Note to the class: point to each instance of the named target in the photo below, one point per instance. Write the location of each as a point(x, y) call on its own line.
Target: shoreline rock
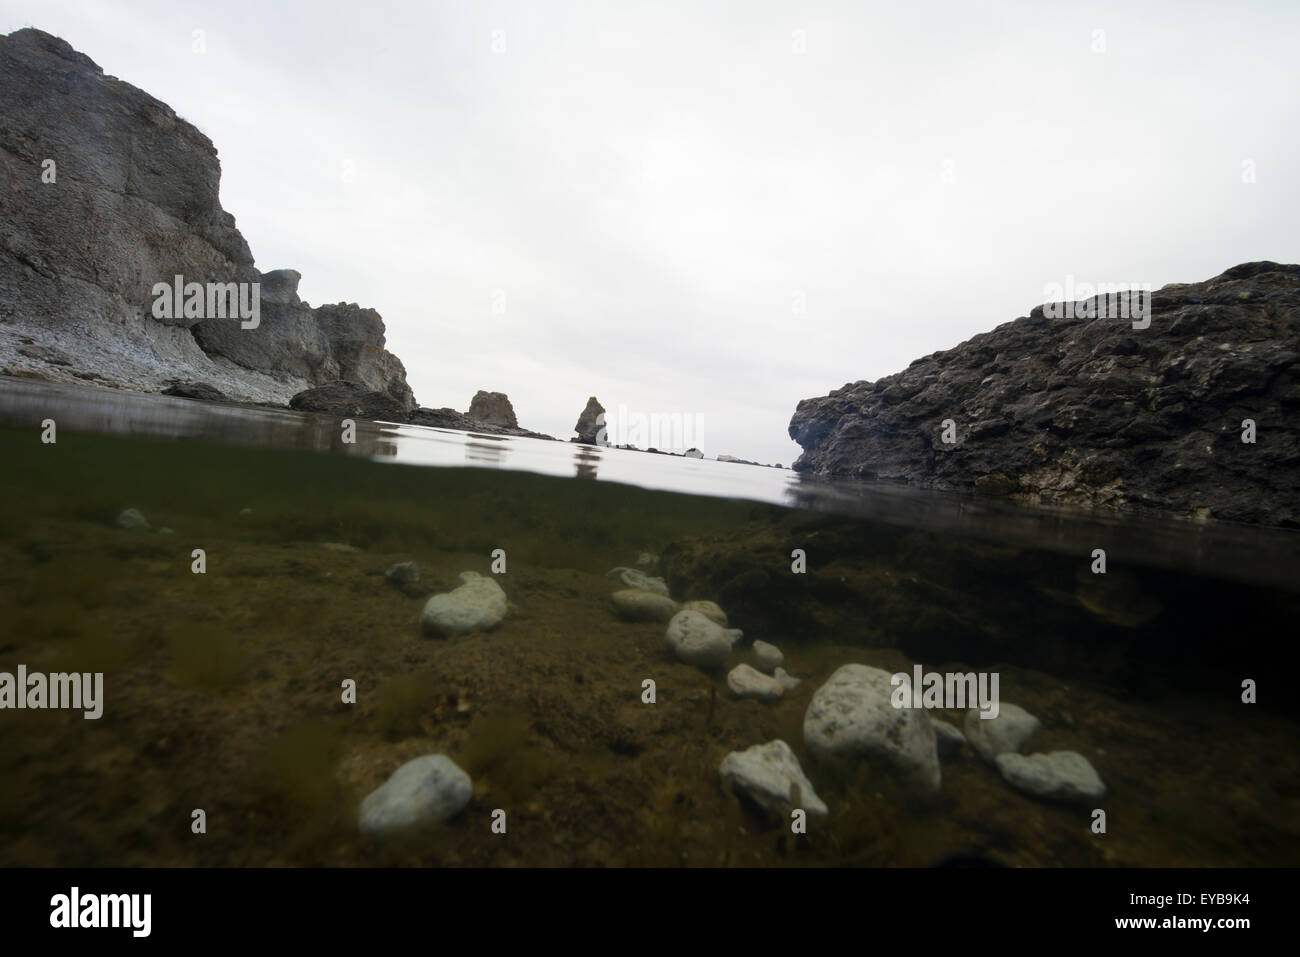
point(1094, 412)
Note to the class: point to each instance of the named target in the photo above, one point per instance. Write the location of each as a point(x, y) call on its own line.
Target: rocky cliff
point(1197, 413)
point(104, 193)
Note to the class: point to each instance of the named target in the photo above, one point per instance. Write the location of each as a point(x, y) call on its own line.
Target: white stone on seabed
point(1007, 732)
point(647, 560)
point(948, 737)
point(747, 682)
point(479, 603)
point(403, 573)
point(699, 641)
point(709, 609)
point(635, 578)
point(851, 718)
point(765, 774)
point(769, 656)
point(637, 604)
point(787, 680)
point(1058, 776)
point(428, 789)
point(132, 518)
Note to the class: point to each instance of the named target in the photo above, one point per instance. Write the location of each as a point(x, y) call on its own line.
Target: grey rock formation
point(131, 201)
point(477, 605)
point(196, 390)
point(788, 681)
point(427, 790)
point(770, 775)
point(1008, 732)
point(349, 400)
point(451, 419)
point(591, 424)
point(1095, 412)
point(851, 719)
point(1057, 776)
point(492, 408)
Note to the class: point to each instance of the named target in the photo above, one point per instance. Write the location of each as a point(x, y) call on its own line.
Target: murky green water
point(222, 690)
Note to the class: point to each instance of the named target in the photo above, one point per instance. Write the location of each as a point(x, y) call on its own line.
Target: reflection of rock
point(492, 408)
point(591, 424)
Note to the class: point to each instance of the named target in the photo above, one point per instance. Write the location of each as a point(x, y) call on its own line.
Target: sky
point(707, 211)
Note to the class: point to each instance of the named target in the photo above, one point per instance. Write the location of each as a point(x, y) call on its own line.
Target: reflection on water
point(1242, 553)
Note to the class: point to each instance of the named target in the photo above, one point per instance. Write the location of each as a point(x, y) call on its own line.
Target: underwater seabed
point(222, 690)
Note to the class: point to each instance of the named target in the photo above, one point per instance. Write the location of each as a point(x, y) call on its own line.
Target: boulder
point(349, 400)
point(427, 790)
point(492, 408)
point(699, 641)
point(1057, 776)
point(852, 720)
point(770, 775)
point(479, 604)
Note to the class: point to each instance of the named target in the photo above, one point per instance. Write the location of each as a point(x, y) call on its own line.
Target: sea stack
point(591, 424)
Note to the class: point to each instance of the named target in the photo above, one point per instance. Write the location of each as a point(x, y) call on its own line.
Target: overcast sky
point(718, 209)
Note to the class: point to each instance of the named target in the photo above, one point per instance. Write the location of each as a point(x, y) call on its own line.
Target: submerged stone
point(634, 578)
point(699, 641)
point(770, 775)
point(787, 680)
point(637, 604)
point(132, 518)
point(709, 609)
point(747, 682)
point(478, 604)
point(852, 719)
point(1007, 732)
point(1057, 776)
point(769, 656)
point(427, 790)
point(403, 573)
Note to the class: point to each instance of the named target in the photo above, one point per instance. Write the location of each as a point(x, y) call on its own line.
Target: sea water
point(226, 630)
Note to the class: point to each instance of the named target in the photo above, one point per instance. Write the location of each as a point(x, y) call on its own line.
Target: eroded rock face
point(492, 408)
point(131, 200)
point(590, 423)
point(1093, 411)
